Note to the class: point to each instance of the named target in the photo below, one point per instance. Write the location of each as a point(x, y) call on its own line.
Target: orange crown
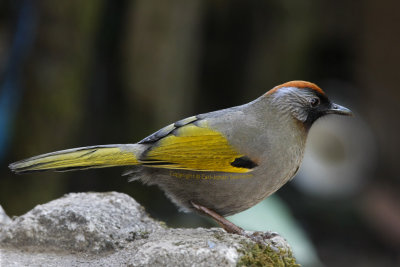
point(298, 84)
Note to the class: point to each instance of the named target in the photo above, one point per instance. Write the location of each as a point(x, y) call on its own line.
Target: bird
point(218, 163)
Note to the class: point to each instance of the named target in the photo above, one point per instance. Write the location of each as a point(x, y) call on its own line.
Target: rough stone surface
point(112, 229)
point(89, 222)
point(4, 219)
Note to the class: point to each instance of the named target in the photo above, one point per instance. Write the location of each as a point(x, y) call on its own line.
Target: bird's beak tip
point(340, 110)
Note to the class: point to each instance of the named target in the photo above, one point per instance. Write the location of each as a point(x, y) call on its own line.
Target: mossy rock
point(265, 255)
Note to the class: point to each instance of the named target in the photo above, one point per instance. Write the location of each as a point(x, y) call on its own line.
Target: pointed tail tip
point(16, 168)
point(13, 167)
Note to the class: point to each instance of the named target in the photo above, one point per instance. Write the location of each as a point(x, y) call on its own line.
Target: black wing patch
point(244, 162)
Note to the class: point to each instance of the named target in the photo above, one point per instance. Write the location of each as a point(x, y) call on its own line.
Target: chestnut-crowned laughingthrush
point(218, 163)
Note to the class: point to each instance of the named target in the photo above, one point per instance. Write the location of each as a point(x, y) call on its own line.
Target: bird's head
point(304, 101)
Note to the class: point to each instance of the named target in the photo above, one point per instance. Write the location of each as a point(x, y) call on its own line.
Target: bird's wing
point(190, 144)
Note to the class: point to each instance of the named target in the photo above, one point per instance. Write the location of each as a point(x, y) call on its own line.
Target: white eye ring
point(314, 102)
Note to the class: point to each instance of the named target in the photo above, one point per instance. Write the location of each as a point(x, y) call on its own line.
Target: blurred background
point(77, 73)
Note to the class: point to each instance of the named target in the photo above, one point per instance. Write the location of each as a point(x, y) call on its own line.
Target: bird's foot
point(259, 237)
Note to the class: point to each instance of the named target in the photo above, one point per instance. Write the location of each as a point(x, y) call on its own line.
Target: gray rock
point(4, 219)
point(112, 229)
point(89, 222)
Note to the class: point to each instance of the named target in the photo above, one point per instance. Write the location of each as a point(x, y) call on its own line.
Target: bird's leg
point(259, 237)
point(224, 223)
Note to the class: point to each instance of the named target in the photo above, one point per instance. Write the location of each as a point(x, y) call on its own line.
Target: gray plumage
point(269, 135)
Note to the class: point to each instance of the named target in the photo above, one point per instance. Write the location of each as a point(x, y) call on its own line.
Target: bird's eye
point(314, 102)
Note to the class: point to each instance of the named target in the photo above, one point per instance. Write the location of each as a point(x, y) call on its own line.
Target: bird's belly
point(225, 193)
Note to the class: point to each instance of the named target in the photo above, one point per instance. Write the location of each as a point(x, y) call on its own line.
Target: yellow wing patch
point(195, 148)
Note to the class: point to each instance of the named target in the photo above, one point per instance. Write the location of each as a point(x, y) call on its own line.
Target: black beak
point(340, 110)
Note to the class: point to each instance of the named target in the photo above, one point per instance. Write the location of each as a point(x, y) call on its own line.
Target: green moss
point(137, 235)
point(163, 224)
point(261, 255)
point(219, 236)
point(179, 243)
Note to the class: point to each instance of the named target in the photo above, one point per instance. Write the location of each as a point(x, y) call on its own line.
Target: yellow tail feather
point(78, 158)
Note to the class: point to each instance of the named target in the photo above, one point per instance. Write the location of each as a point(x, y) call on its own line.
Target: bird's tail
point(80, 158)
